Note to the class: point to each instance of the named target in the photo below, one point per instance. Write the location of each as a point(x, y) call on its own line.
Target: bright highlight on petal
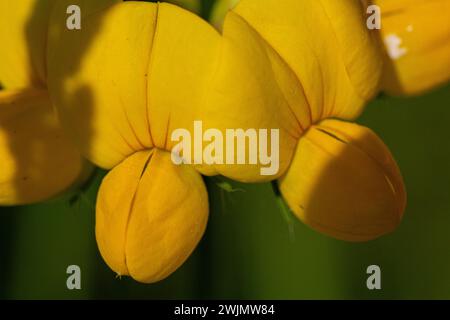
point(416, 35)
point(36, 160)
point(344, 182)
point(150, 215)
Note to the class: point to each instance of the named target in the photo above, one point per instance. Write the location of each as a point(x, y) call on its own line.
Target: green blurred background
point(250, 249)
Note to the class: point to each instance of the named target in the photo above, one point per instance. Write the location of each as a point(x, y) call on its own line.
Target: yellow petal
point(98, 77)
point(344, 182)
point(252, 88)
point(182, 62)
point(151, 215)
point(254, 77)
point(416, 34)
point(118, 103)
point(23, 34)
point(36, 161)
point(337, 75)
point(213, 83)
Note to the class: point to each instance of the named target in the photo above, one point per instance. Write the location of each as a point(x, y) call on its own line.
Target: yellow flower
point(134, 86)
point(143, 193)
point(416, 35)
point(344, 75)
point(36, 161)
point(138, 71)
point(150, 213)
point(337, 77)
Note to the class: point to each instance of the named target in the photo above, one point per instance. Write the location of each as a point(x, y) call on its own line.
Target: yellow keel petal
point(344, 182)
point(151, 215)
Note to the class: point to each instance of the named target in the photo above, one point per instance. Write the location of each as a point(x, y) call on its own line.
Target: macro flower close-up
point(226, 149)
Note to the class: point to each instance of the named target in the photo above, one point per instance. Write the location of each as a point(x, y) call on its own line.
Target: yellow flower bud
point(150, 215)
point(344, 182)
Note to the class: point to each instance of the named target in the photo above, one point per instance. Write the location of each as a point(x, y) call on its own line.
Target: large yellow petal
point(23, 35)
point(416, 34)
point(327, 45)
point(344, 182)
point(151, 215)
point(164, 69)
point(36, 161)
point(98, 76)
point(228, 83)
